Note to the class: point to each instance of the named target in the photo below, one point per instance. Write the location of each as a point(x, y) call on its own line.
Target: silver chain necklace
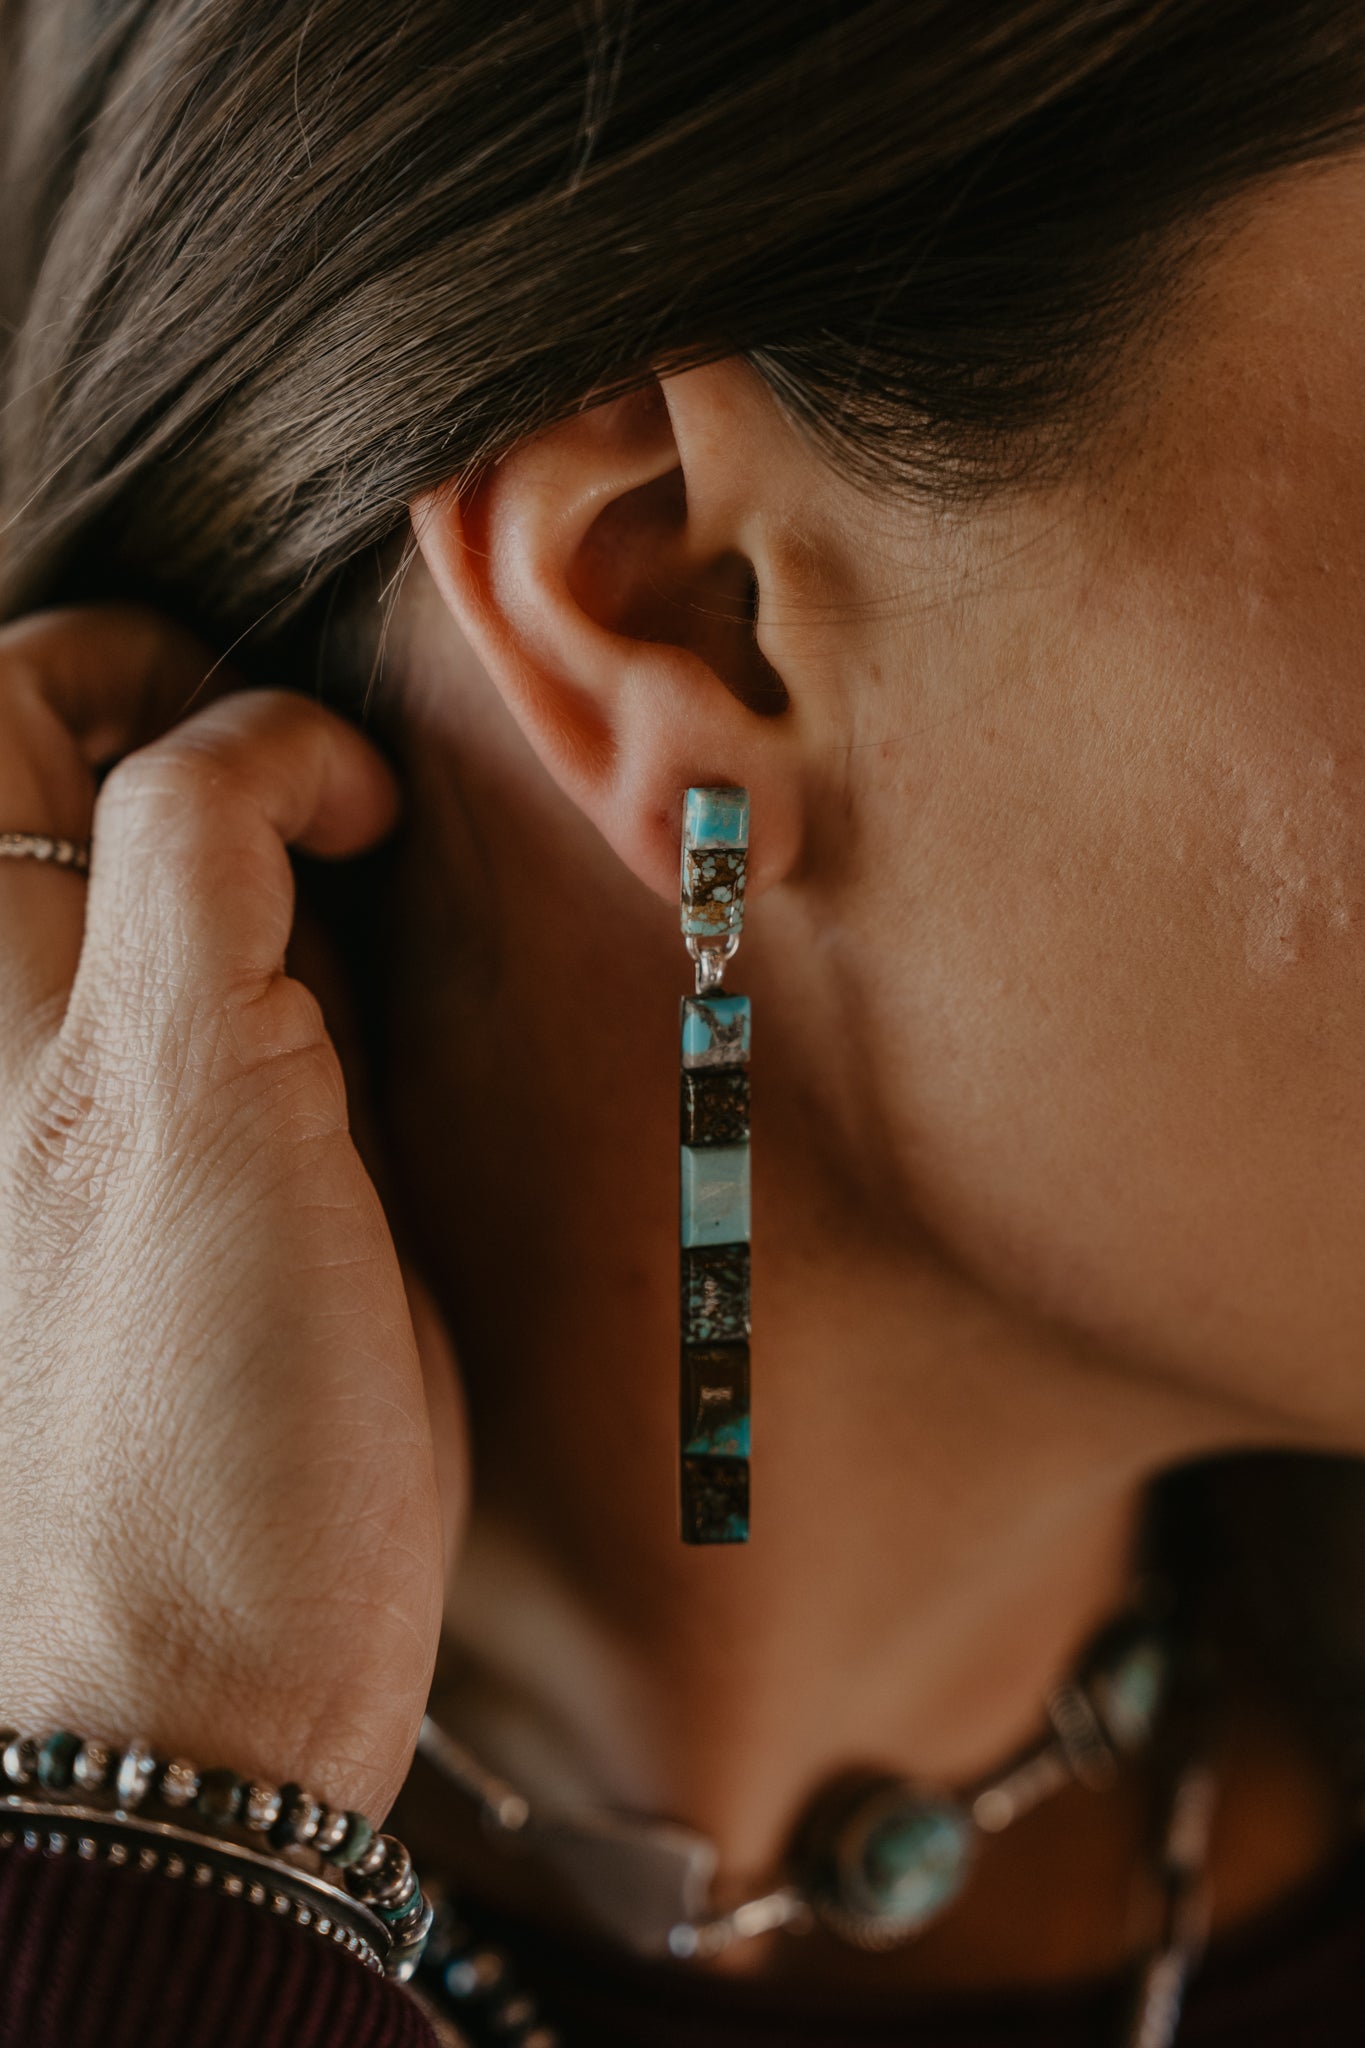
point(474, 1996)
point(877, 1861)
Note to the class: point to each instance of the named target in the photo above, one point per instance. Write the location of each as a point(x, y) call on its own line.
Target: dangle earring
point(715, 1176)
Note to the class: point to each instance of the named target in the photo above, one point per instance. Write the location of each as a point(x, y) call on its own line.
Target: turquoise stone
point(1129, 1693)
point(715, 1413)
point(715, 875)
point(391, 1914)
point(720, 1439)
point(715, 1194)
point(55, 1760)
point(715, 1031)
point(716, 817)
point(353, 1844)
point(713, 887)
point(915, 1860)
point(715, 1294)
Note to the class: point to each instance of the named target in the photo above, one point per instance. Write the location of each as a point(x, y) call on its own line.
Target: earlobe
point(606, 580)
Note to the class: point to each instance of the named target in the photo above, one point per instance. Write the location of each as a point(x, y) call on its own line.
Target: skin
point(217, 1479)
point(1058, 967)
point(1058, 976)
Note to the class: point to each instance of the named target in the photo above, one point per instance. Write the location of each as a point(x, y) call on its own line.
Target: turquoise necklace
point(880, 1858)
point(876, 1860)
point(475, 1996)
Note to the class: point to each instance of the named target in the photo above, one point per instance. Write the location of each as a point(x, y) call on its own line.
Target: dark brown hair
point(270, 267)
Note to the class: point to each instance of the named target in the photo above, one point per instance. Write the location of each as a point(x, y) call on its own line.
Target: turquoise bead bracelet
point(283, 1821)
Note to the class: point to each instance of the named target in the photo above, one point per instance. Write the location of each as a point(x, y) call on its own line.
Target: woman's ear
point(610, 574)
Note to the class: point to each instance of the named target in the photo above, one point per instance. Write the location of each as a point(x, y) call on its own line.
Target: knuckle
point(186, 818)
point(192, 794)
point(169, 776)
point(292, 1017)
point(300, 1090)
point(281, 1026)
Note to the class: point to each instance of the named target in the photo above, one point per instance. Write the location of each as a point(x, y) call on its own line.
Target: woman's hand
point(219, 1517)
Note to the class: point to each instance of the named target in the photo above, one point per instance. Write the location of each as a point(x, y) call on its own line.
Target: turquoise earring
point(715, 1175)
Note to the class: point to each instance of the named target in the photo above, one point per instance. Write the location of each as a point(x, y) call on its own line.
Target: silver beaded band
point(131, 1842)
point(58, 853)
point(281, 1828)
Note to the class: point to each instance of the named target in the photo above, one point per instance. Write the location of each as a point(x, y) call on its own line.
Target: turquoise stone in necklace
point(890, 1862)
point(876, 1857)
point(914, 1859)
point(1129, 1693)
point(880, 1857)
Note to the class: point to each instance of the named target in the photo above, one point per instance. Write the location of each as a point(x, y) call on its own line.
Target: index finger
point(116, 676)
point(77, 689)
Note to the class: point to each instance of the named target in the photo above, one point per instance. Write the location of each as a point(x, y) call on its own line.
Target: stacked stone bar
point(715, 1182)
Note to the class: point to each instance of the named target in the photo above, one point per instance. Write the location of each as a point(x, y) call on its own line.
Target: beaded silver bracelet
point(129, 1796)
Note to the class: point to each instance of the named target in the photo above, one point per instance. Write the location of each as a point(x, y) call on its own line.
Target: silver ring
point(59, 853)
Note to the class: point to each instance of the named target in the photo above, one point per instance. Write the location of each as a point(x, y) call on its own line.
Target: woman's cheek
point(1113, 968)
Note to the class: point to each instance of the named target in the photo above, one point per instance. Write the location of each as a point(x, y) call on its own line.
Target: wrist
point(247, 1837)
point(214, 1718)
point(274, 1658)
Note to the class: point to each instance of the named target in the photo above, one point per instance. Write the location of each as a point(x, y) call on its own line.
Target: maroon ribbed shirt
point(96, 1957)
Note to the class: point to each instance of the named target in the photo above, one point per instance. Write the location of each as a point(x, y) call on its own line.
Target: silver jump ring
point(59, 853)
